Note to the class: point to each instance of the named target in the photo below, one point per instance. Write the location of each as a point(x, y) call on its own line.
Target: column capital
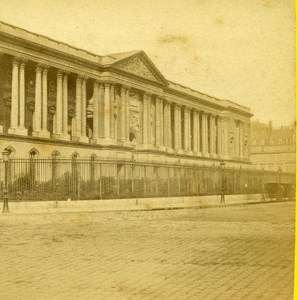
point(84, 77)
point(63, 72)
point(23, 63)
point(107, 83)
point(42, 66)
point(161, 98)
point(16, 60)
point(20, 60)
point(38, 68)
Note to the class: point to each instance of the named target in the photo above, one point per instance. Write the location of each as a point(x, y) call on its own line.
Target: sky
point(239, 50)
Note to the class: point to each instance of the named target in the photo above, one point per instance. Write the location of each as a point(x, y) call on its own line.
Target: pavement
point(231, 252)
point(21, 207)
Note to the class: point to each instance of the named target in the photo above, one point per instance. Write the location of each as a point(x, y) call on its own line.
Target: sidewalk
point(132, 204)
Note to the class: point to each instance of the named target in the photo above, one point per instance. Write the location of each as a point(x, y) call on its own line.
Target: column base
point(196, 153)
point(205, 154)
point(107, 141)
point(169, 150)
point(64, 137)
point(18, 131)
point(161, 148)
point(144, 147)
point(224, 157)
point(83, 139)
point(125, 143)
point(93, 141)
point(41, 133)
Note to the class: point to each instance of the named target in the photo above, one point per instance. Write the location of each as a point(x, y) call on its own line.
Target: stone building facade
point(55, 98)
point(273, 149)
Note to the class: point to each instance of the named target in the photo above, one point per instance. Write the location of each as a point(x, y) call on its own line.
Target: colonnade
point(173, 127)
point(184, 129)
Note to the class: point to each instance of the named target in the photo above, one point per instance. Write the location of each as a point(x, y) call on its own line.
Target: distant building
point(273, 148)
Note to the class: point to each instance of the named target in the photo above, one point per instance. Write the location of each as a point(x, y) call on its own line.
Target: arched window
point(33, 153)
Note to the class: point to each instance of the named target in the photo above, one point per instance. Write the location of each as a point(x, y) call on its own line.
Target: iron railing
point(62, 179)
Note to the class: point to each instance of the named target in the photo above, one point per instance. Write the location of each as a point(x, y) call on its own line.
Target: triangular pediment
point(140, 65)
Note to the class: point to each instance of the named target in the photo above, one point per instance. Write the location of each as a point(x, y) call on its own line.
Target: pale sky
point(241, 50)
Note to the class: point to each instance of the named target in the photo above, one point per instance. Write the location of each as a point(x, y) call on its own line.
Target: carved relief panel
point(137, 66)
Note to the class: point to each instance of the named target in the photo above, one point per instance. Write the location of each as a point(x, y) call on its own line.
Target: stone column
point(38, 104)
point(101, 110)
point(107, 136)
point(165, 124)
point(127, 114)
point(84, 137)
point(195, 130)
point(241, 137)
point(158, 122)
point(176, 127)
point(22, 129)
point(179, 130)
point(145, 119)
point(59, 104)
point(219, 136)
point(198, 133)
point(204, 141)
point(14, 112)
point(189, 132)
point(149, 121)
point(161, 108)
point(169, 128)
point(225, 137)
point(96, 111)
point(44, 127)
point(186, 129)
point(212, 135)
point(64, 135)
point(78, 107)
point(123, 114)
point(236, 138)
point(112, 97)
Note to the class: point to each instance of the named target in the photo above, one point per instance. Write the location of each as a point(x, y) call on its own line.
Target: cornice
point(50, 51)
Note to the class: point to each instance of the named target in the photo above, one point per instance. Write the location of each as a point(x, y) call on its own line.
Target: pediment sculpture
point(138, 67)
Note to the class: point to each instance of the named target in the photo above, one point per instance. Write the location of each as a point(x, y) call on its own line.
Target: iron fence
point(62, 179)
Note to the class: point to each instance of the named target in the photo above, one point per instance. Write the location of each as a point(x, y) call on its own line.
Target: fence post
point(168, 182)
point(118, 180)
point(5, 154)
point(157, 181)
point(222, 164)
point(132, 180)
point(179, 179)
point(144, 182)
point(100, 181)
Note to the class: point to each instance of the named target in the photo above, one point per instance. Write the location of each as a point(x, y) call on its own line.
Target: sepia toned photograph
point(147, 149)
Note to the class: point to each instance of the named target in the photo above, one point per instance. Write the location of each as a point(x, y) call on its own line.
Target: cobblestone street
point(240, 252)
